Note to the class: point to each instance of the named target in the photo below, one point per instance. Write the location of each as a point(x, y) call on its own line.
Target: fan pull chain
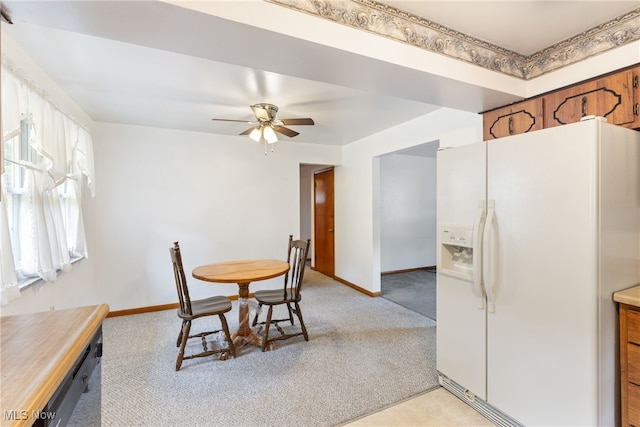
point(265, 147)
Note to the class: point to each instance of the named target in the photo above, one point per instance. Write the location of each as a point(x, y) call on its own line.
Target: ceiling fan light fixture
point(256, 134)
point(269, 134)
point(266, 127)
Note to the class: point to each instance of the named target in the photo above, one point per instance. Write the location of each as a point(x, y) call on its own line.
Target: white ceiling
point(156, 64)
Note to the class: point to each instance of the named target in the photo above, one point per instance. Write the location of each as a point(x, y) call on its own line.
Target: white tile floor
point(416, 291)
point(435, 408)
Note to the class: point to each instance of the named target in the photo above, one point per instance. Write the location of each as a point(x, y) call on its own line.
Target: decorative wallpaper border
point(387, 21)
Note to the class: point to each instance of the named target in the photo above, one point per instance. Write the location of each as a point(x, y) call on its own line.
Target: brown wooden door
point(323, 222)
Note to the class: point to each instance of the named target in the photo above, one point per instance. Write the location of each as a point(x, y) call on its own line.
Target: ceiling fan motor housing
point(265, 112)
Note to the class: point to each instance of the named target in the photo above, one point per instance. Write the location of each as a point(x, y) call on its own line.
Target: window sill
point(30, 281)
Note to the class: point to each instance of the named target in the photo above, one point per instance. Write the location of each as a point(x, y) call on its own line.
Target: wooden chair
point(190, 310)
point(288, 295)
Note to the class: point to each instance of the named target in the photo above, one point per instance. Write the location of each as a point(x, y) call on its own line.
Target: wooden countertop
point(37, 351)
point(629, 296)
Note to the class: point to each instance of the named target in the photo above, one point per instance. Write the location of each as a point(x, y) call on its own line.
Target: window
point(40, 212)
point(48, 166)
point(17, 150)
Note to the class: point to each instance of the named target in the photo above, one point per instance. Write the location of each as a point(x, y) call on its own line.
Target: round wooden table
point(242, 273)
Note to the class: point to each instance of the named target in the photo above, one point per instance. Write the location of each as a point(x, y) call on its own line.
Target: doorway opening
point(312, 216)
point(407, 218)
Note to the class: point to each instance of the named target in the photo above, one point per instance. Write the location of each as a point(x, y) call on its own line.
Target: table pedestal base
point(241, 340)
point(252, 338)
point(242, 272)
point(245, 335)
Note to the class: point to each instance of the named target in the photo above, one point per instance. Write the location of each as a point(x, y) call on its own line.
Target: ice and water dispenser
point(456, 242)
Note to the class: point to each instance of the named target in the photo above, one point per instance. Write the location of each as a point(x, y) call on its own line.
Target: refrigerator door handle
point(478, 227)
point(488, 250)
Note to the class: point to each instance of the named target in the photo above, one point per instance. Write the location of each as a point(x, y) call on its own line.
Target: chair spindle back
point(297, 259)
point(181, 280)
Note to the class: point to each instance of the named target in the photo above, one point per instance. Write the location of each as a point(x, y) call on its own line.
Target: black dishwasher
point(60, 408)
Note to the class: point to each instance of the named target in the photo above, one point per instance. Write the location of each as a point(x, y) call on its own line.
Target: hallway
point(415, 290)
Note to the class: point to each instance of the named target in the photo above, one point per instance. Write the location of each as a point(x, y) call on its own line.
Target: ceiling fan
point(266, 125)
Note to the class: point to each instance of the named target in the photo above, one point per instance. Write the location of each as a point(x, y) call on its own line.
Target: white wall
point(221, 197)
point(357, 224)
point(407, 212)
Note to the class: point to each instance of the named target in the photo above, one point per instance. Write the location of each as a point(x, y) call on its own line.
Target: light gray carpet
point(364, 354)
point(415, 290)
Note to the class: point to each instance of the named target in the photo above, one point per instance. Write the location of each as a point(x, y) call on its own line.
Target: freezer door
point(461, 349)
point(542, 251)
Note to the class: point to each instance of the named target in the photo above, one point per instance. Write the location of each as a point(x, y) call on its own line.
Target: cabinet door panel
point(636, 99)
point(514, 119)
point(610, 97)
point(633, 326)
point(634, 405)
point(633, 363)
point(629, 365)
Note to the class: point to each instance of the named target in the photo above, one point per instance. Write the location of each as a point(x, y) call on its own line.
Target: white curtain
point(9, 289)
point(56, 177)
point(35, 247)
point(76, 238)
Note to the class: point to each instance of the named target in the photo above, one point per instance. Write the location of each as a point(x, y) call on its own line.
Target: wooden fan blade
point(286, 131)
point(232, 120)
point(248, 131)
point(297, 122)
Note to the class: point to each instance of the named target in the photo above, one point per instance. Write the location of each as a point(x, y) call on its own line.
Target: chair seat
point(275, 296)
point(207, 307)
point(190, 310)
point(288, 295)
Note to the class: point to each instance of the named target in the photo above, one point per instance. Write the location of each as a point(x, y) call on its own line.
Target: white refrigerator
point(535, 233)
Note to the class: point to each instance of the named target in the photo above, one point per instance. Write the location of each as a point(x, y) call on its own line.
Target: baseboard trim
point(162, 307)
point(141, 310)
point(356, 287)
point(408, 270)
point(352, 285)
point(152, 308)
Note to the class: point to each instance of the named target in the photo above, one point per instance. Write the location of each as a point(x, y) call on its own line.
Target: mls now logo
point(16, 415)
point(43, 415)
point(25, 415)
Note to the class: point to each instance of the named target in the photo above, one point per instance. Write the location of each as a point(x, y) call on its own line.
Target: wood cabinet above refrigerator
point(615, 96)
point(514, 119)
point(610, 97)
